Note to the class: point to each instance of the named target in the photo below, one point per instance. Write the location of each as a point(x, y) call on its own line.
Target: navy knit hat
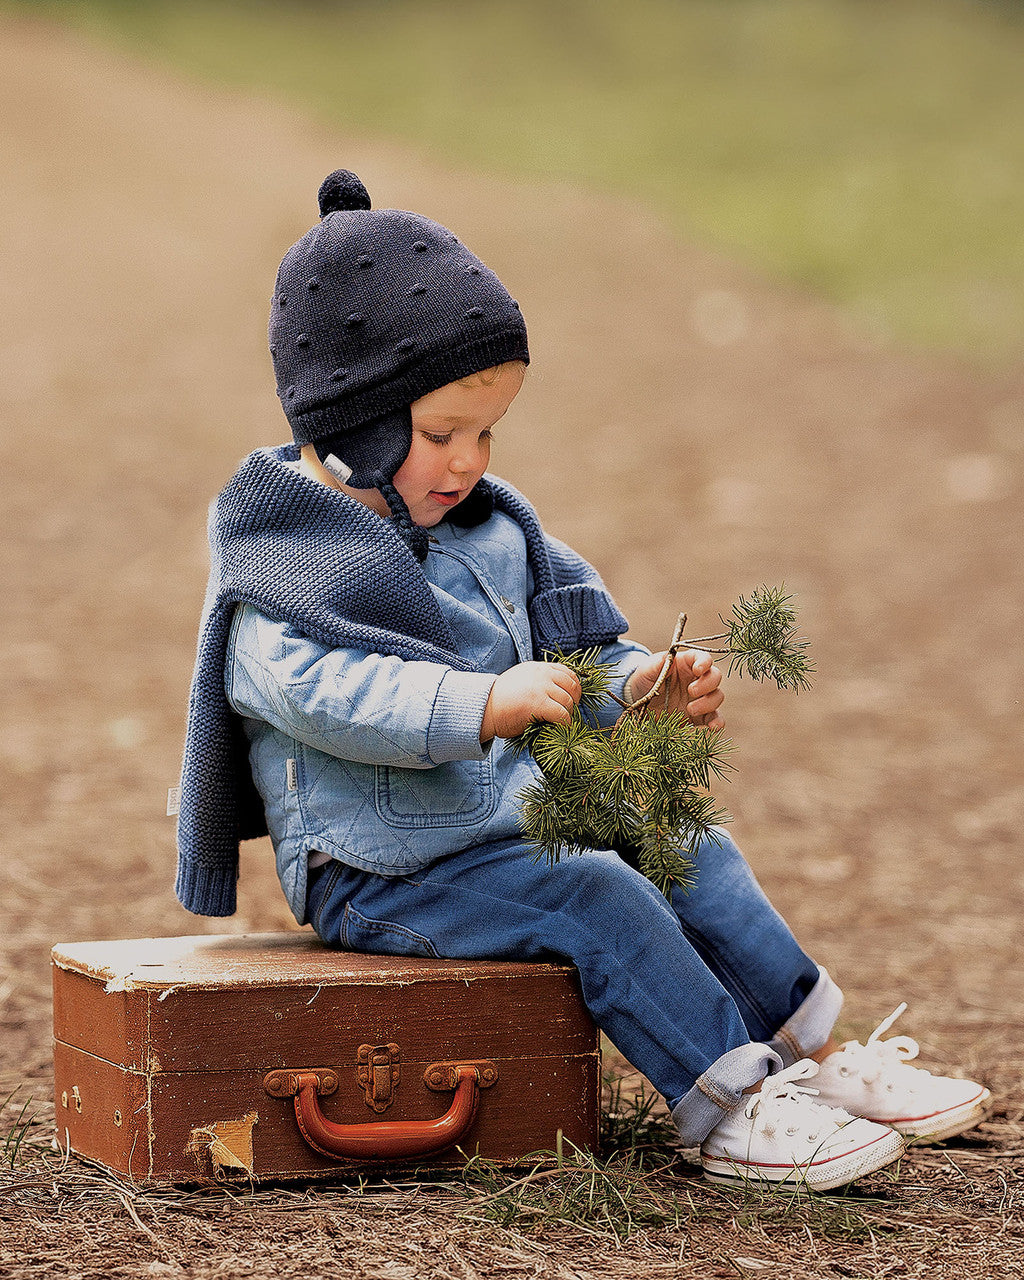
point(372, 309)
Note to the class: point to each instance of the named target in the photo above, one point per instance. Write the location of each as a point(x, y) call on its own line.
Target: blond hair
point(486, 377)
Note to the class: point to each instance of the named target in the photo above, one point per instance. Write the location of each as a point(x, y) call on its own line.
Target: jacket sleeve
point(352, 704)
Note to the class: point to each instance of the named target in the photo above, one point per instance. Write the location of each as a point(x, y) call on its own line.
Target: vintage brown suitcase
point(272, 1056)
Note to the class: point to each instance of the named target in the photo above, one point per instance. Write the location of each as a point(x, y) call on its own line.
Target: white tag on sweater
point(173, 801)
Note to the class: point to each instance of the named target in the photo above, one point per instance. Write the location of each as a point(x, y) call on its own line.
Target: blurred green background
point(870, 151)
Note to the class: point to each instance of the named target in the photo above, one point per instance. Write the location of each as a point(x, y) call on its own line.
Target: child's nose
point(467, 458)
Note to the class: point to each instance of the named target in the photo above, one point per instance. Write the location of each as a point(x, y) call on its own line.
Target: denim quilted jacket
point(376, 760)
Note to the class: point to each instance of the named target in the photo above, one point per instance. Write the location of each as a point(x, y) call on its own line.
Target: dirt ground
point(694, 431)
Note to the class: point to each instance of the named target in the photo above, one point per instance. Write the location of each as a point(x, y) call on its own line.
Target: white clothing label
point(173, 801)
point(292, 771)
point(340, 470)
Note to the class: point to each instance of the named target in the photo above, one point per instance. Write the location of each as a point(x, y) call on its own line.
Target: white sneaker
point(781, 1135)
point(873, 1080)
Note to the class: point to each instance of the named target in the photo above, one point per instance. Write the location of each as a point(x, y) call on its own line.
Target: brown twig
point(655, 688)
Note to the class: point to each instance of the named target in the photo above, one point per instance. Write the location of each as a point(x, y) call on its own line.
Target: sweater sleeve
point(577, 611)
point(352, 704)
point(580, 609)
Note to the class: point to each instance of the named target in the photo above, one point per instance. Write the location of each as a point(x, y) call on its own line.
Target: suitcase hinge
point(378, 1074)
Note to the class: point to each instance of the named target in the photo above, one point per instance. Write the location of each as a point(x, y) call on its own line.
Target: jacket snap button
point(508, 604)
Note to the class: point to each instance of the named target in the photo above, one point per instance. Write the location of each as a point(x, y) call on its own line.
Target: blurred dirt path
point(693, 430)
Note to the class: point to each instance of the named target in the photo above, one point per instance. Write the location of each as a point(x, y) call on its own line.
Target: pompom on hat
point(372, 309)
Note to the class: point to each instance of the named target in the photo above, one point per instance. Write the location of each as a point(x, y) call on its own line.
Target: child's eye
point(486, 434)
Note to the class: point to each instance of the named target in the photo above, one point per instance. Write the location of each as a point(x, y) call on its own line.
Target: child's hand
point(693, 686)
point(526, 692)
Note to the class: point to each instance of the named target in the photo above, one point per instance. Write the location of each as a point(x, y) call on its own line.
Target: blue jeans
point(705, 995)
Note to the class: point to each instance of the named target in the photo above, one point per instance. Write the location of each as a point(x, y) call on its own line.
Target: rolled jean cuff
point(805, 1031)
point(719, 1090)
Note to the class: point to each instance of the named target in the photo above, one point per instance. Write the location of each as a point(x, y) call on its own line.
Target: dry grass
point(952, 1211)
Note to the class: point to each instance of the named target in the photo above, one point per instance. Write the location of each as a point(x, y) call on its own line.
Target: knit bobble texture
point(342, 190)
point(374, 308)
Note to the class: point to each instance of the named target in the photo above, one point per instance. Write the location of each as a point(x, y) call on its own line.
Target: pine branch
point(763, 641)
point(639, 785)
point(566, 750)
point(666, 868)
point(642, 785)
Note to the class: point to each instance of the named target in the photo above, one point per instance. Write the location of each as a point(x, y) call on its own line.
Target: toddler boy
point(376, 609)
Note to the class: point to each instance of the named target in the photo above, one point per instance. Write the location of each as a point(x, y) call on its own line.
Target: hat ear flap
point(369, 454)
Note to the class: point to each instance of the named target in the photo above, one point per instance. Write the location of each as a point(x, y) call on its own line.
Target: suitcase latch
point(378, 1074)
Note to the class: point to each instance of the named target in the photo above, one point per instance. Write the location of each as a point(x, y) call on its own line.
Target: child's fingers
point(560, 694)
point(706, 683)
point(705, 704)
point(567, 680)
point(555, 705)
point(564, 697)
point(691, 663)
point(704, 710)
point(700, 661)
point(559, 712)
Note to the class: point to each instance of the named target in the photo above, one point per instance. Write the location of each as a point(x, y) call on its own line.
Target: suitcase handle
point(387, 1139)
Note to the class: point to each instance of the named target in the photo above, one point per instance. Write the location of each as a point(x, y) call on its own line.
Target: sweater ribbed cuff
point(206, 891)
point(454, 731)
point(576, 616)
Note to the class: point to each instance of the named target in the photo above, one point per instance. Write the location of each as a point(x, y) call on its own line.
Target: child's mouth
point(446, 499)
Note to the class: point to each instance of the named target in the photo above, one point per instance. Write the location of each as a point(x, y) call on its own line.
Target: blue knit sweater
point(309, 555)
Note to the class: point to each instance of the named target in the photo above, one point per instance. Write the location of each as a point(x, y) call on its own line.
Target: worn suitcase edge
point(311, 959)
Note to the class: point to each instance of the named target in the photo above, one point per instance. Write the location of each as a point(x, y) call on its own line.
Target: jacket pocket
point(382, 937)
point(457, 793)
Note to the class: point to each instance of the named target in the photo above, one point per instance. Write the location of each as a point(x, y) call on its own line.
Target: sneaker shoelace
point(782, 1097)
point(879, 1057)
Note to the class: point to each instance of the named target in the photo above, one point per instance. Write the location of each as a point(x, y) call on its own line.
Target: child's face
point(451, 440)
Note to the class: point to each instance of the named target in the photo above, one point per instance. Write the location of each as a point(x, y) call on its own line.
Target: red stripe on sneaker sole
point(980, 1096)
point(806, 1164)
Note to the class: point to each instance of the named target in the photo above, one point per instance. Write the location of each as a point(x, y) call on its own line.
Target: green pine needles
point(642, 786)
point(761, 640)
